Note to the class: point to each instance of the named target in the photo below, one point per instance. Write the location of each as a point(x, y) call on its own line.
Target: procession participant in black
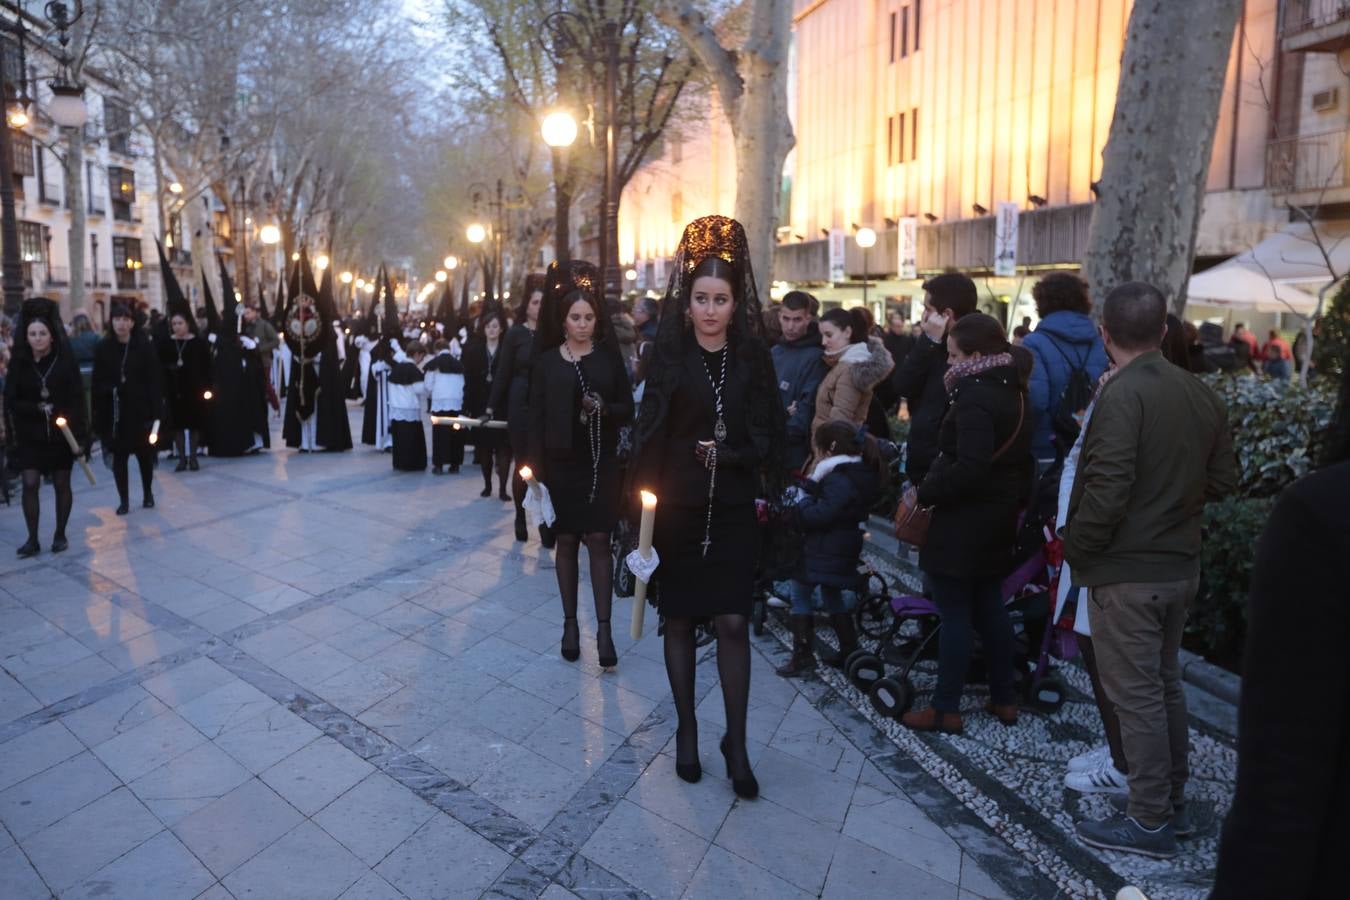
point(482, 359)
point(43, 385)
point(511, 391)
point(407, 397)
point(710, 441)
point(579, 396)
point(186, 359)
point(375, 420)
point(333, 429)
point(237, 413)
point(304, 332)
point(127, 400)
point(445, 385)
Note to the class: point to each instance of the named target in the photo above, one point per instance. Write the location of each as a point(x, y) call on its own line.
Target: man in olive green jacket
point(1156, 448)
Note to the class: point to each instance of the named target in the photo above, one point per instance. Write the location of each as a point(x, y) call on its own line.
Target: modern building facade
point(938, 111)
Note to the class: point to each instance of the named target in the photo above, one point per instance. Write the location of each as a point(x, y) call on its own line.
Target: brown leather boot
point(803, 656)
point(1005, 712)
point(844, 630)
point(931, 720)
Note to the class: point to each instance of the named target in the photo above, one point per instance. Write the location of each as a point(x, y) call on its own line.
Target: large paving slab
point(312, 676)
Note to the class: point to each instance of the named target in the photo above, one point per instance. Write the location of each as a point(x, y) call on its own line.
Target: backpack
point(1066, 420)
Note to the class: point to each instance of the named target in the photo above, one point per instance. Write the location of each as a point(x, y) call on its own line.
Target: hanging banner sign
point(909, 248)
point(1005, 239)
point(837, 248)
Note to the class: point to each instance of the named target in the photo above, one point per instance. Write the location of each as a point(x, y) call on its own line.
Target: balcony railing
point(1314, 162)
point(1305, 15)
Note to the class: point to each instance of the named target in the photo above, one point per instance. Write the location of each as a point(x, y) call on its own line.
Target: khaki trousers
point(1136, 632)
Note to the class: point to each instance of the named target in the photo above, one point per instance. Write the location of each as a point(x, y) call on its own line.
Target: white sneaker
point(1092, 759)
point(1103, 780)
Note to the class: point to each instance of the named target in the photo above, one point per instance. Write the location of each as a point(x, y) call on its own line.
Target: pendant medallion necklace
point(589, 419)
point(719, 437)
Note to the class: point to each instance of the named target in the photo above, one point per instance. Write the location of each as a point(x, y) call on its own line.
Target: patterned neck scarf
point(974, 367)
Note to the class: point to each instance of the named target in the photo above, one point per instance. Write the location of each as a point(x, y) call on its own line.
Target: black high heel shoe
point(59, 543)
point(123, 508)
point(30, 547)
point(570, 651)
point(746, 787)
point(604, 645)
point(690, 772)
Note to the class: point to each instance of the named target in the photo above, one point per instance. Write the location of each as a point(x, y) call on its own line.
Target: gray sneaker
point(1122, 833)
point(1183, 826)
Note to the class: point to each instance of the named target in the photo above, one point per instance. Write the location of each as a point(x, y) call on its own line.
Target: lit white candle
point(644, 549)
point(62, 424)
point(527, 476)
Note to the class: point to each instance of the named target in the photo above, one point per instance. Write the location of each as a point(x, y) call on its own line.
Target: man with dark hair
point(1156, 448)
point(898, 341)
point(947, 297)
point(800, 367)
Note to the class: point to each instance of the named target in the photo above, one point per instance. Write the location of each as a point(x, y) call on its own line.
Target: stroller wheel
point(757, 614)
point(1047, 693)
point(873, 615)
point(854, 657)
point(866, 671)
point(891, 697)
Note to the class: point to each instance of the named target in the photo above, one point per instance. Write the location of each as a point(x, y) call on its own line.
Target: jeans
point(1282, 369)
point(831, 597)
point(1136, 633)
point(966, 606)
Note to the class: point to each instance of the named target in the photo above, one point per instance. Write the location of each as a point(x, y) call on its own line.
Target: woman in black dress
point(43, 385)
point(127, 400)
point(579, 396)
point(511, 389)
point(710, 440)
point(186, 359)
point(482, 359)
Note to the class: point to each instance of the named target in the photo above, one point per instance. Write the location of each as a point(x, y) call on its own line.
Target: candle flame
point(60, 421)
point(648, 500)
point(154, 438)
point(526, 473)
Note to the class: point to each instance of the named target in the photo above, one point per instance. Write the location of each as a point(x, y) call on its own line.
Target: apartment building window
point(890, 140)
point(900, 136)
point(892, 57)
point(914, 134)
point(93, 191)
point(122, 190)
point(904, 32)
point(23, 153)
point(918, 12)
point(32, 241)
point(126, 261)
point(49, 191)
point(117, 122)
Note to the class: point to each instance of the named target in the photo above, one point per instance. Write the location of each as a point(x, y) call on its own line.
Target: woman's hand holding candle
point(644, 549)
point(62, 424)
point(154, 433)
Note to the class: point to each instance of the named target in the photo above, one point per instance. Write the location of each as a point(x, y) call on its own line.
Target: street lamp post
point(867, 239)
point(476, 233)
point(609, 207)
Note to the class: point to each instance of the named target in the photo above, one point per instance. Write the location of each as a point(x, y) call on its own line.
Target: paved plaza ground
point(313, 677)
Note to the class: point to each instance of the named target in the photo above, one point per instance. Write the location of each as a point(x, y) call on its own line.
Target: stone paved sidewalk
point(310, 676)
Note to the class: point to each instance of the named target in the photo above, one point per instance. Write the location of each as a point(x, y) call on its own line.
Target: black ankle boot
point(182, 465)
point(148, 501)
point(59, 543)
point(844, 630)
point(803, 657)
point(688, 771)
point(502, 495)
point(123, 508)
point(487, 487)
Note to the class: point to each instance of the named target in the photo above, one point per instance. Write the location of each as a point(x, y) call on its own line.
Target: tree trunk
point(1156, 159)
point(752, 90)
point(76, 237)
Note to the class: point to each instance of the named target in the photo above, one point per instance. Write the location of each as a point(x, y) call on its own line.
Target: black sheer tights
point(32, 482)
point(733, 668)
point(145, 460)
point(567, 562)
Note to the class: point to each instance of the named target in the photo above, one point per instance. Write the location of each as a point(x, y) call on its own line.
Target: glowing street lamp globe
point(346, 277)
point(866, 238)
point(269, 234)
point(476, 233)
point(321, 262)
point(360, 282)
point(441, 275)
point(370, 287)
point(451, 262)
point(559, 129)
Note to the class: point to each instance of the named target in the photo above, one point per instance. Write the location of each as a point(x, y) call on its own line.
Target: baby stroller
point(1029, 591)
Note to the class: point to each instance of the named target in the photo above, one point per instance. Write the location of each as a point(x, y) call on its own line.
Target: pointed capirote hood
point(175, 304)
point(262, 301)
point(212, 313)
point(327, 302)
point(229, 314)
point(391, 326)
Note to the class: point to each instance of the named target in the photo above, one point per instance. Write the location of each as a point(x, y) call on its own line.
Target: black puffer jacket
point(976, 498)
point(829, 517)
point(919, 380)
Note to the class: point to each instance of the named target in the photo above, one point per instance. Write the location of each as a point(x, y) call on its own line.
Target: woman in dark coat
point(579, 396)
point(841, 490)
point(127, 400)
point(482, 361)
point(976, 486)
point(710, 441)
point(511, 391)
point(42, 386)
point(186, 359)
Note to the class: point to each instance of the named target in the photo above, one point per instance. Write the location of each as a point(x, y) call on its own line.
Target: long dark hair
point(490, 312)
point(565, 284)
point(843, 437)
point(40, 309)
point(533, 282)
point(856, 320)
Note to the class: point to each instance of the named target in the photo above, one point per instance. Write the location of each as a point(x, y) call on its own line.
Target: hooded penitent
point(334, 432)
point(238, 412)
point(306, 334)
point(175, 304)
